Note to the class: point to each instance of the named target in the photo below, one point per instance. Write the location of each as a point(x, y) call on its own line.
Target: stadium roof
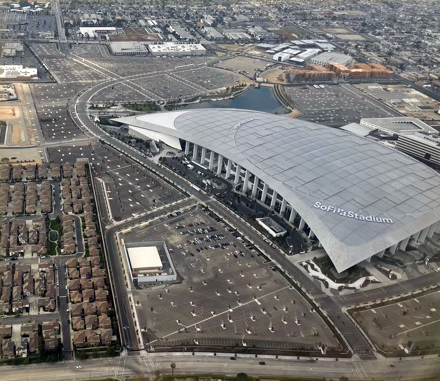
point(307, 163)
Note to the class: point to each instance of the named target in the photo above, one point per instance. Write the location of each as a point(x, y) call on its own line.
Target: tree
point(173, 366)
point(242, 377)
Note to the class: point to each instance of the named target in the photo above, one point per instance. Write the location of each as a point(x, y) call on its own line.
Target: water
point(262, 99)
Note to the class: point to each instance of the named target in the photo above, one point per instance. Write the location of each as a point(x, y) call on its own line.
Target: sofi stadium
point(359, 198)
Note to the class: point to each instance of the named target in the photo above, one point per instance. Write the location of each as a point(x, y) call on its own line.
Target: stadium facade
point(357, 197)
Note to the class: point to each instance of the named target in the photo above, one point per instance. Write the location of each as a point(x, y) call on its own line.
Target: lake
point(259, 99)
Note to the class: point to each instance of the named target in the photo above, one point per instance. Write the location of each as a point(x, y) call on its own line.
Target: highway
point(130, 367)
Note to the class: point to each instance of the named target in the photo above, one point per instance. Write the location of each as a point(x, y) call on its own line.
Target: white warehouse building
point(357, 197)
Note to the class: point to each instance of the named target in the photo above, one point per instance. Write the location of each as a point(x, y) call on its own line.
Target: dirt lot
point(17, 135)
point(396, 324)
point(243, 63)
point(9, 112)
point(275, 75)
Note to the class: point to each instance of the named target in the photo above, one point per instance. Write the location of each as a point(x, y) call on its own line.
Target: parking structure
point(335, 105)
point(131, 189)
point(51, 104)
point(229, 294)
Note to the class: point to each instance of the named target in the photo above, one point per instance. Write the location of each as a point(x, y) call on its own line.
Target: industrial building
point(356, 197)
point(176, 49)
point(149, 262)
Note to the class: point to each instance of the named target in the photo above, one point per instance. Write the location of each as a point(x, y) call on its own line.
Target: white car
point(78, 367)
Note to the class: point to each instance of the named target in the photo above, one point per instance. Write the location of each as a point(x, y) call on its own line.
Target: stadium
point(357, 197)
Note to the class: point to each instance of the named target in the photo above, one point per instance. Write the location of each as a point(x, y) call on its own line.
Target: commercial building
point(282, 57)
point(150, 262)
point(414, 137)
point(129, 48)
point(356, 197)
point(274, 229)
point(17, 72)
point(327, 57)
point(176, 49)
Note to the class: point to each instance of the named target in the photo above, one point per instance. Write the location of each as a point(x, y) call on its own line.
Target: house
point(86, 284)
point(83, 262)
point(95, 261)
point(51, 291)
point(79, 338)
point(76, 309)
point(74, 285)
point(73, 273)
point(106, 336)
point(51, 325)
point(51, 344)
point(5, 331)
point(72, 263)
point(91, 321)
point(46, 304)
point(98, 272)
point(93, 338)
point(89, 308)
point(77, 323)
point(98, 283)
point(85, 272)
point(75, 297)
point(105, 321)
point(8, 349)
point(101, 295)
point(33, 342)
point(28, 329)
point(89, 295)
point(102, 307)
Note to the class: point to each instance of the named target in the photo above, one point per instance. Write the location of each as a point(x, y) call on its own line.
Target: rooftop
point(144, 257)
point(309, 164)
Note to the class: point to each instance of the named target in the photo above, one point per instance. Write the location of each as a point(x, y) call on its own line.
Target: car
point(78, 367)
point(233, 358)
point(261, 363)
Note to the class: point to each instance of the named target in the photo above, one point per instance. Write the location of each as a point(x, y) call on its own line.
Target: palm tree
point(173, 366)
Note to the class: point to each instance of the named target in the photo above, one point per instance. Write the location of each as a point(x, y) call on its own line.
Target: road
point(63, 304)
point(142, 366)
point(56, 7)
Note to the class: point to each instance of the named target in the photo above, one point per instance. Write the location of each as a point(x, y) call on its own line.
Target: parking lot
point(131, 65)
point(130, 188)
point(64, 69)
point(334, 105)
point(396, 324)
point(229, 294)
point(210, 78)
point(51, 105)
